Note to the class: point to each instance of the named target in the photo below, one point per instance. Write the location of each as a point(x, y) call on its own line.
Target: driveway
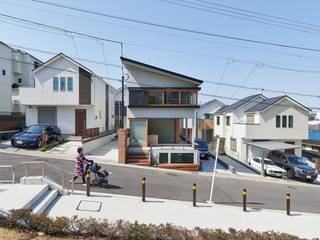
point(107, 153)
point(239, 167)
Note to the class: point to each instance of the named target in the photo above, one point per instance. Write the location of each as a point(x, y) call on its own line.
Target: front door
point(80, 121)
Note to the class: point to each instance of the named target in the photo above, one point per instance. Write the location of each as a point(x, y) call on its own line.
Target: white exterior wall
point(31, 116)
point(161, 113)
point(149, 78)
point(99, 94)
point(43, 94)
point(5, 81)
point(66, 120)
point(111, 108)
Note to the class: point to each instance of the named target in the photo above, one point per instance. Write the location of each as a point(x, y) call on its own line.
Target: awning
point(272, 145)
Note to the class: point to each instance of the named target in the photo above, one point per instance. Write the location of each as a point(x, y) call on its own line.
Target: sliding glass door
point(138, 132)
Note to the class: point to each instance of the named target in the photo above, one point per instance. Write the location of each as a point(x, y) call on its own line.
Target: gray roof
point(211, 101)
point(221, 110)
point(264, 104)
point(270, 101)
point(238, 104)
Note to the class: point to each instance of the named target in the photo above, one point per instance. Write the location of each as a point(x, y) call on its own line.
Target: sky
point(203, 57)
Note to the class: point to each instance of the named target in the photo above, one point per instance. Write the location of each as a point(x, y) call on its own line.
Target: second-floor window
point(228, 121)
point(62, 84)
point(70, 84)
point(284, 121)
point(56, 84)
point(171, 97)
point(218, 120)
point(3, 72)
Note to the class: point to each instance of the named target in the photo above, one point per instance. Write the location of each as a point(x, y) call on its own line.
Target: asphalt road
point(262, 193)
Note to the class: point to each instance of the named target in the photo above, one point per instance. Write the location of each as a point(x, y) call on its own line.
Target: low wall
point(94, 143)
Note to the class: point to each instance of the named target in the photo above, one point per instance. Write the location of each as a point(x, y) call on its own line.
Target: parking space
point(238, 167)
point(208, 165)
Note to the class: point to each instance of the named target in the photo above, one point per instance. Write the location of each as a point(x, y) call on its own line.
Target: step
point(140, 164)
point(137, 161)
point(36, 197)
point(184, 167)
point(46, 202)
point(140, 156)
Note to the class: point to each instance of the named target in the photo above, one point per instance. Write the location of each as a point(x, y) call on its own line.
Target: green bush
point(121, 230)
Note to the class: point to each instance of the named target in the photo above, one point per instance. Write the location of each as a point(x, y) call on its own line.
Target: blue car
point(203, 148)
point(31, 136)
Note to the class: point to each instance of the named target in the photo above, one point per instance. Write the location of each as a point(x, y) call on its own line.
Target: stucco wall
point(5, 81)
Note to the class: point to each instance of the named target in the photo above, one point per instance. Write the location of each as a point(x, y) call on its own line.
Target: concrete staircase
point(37, 198)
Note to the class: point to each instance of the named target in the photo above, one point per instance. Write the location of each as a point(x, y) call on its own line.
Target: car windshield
point(35, 129)
point(296, 160)
point(268, 162)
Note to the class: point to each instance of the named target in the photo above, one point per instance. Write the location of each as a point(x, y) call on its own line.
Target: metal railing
point(12, 172)
point(43, 172)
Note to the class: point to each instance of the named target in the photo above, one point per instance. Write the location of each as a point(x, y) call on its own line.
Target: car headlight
point(34, 139)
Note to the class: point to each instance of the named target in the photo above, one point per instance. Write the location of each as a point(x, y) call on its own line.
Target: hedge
point(122, 230)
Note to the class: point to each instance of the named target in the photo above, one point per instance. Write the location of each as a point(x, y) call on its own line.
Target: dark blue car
point(203, 148)
point(31, 136)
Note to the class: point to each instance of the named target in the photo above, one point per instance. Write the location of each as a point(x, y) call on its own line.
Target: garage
point(47, 116)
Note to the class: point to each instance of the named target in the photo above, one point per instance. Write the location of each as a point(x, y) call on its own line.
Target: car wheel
point(290, 173)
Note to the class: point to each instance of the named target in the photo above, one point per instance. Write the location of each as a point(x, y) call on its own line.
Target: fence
point(11, 121)
point(90, 132)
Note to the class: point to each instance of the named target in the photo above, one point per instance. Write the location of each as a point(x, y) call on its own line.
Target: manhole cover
point(90, 206)
point(291, 187)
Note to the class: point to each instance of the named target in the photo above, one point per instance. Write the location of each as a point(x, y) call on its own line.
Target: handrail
point(13, 174)
point(44, 164)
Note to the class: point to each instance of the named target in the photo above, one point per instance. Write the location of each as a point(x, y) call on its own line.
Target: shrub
point(122, 230)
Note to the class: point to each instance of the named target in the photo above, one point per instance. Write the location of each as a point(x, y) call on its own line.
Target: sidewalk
point(158, 211)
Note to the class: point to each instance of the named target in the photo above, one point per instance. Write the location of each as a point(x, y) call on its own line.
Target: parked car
point(203, 148)
point(31, 136)
point(270, 168)
point(295, 166)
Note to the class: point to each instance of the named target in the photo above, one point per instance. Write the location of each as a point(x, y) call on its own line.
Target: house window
point(218, 120)
point(19, 80)
point(36, 64)
point(3, 72)
point(171, 97)
point(228, 120)
point(284, 121)
point(56, 84)
point(70, 84)
point(250, 118)
point(154, 97)
point(278, 121)
point(187, 98)
point(233, 144)
point(62, 84)
point(208, 116)
point(290, 122)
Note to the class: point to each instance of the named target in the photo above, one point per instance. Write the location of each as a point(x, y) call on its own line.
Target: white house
point(204, 120)
point(314, 118)
point(257, 118)
point(117, 107)
point(69, 95)
point(15, 70)
point(157, 99)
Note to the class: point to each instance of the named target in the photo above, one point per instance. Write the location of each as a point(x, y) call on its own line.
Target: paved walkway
point(107, 153)
point(239, 168)
point(161, 211)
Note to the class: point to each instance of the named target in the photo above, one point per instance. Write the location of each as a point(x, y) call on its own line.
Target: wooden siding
point(84, 87)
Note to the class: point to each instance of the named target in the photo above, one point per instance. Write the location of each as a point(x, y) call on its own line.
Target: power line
point(259, 13)
point(222, 75)
point(159, 32)
point(205, 81)
point(171, 27)
point(244, 16)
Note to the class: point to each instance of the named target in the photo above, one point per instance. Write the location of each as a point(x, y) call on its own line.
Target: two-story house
point(69, 95)
point(156, 101)
point(15, 70)
point(257, 118)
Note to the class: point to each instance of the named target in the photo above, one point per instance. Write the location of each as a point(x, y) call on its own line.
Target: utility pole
point(214, 170)
point(122, 91)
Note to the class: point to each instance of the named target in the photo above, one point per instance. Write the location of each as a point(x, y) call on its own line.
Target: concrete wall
point(88, 146)
point(5, 81)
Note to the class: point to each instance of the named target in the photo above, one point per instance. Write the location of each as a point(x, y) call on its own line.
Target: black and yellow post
point(88, 183)
point(194, 194)
point(143, 184)
point(288, 199)
point(244, 199)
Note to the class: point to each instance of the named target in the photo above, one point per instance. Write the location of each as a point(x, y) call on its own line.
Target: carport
point(270, 146)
